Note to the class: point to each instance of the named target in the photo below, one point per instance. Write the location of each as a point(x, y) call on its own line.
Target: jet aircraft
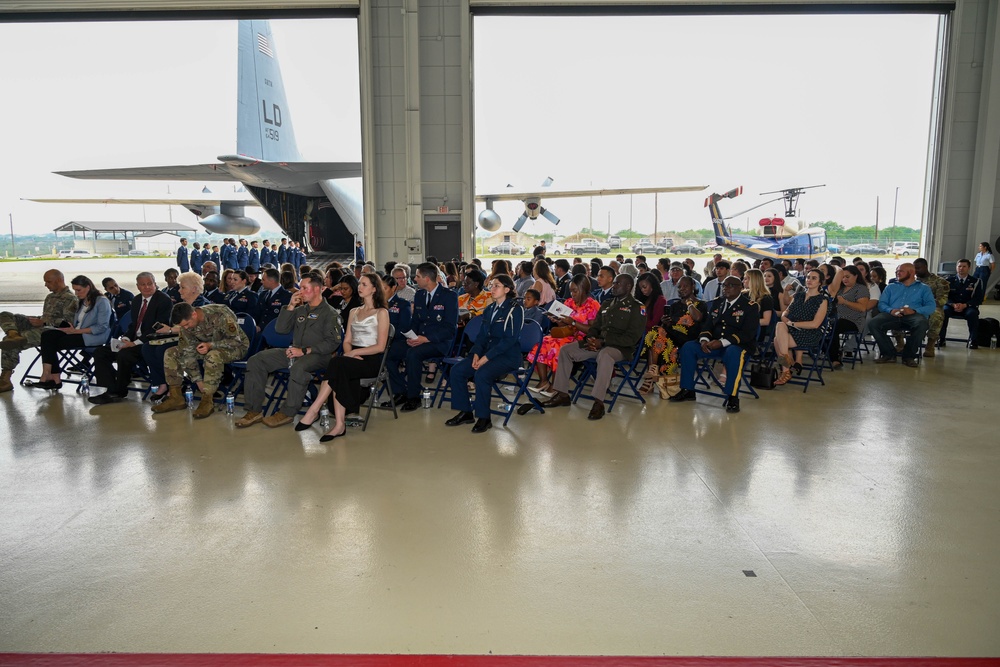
point(778, 238)
point(313, 202)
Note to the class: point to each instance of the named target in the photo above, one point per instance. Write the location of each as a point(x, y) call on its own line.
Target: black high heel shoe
point(797, 368)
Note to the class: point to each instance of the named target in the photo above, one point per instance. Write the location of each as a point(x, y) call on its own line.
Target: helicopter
point(778, 239)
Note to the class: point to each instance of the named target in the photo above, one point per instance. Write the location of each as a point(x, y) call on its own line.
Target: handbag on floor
point(762, 376)
point(669, 385)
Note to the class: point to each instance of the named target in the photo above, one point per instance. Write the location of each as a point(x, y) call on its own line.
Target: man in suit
point(254, 262)
point(560, 268)
point(435, 321)
point(150, 309)
point(212, 292)
point(182, 257)
point(196, 259)
point(282, 252)
point(243, 256)
point(271, 298)
point(729, 334)
point(713, 287)
point(605, 279)
point(172, 289)
point(121, 299)
point(215, 257)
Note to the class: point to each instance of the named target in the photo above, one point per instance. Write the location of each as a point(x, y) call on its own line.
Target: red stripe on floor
point(283, 660)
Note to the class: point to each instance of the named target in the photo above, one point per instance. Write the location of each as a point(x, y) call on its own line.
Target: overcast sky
point(96, 95)
point(764, 102)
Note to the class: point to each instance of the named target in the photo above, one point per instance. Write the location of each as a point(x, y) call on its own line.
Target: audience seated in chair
point(613, 336)
point(801, 325)
point(24, 331)
point(316, 334)
point(904, 305)
point(575, 328)
point(729, 334)
point(91, 327)
point(211, 335)
point(148, 310)
point(965, 295)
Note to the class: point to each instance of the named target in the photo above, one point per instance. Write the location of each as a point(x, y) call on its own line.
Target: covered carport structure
point(106, 238)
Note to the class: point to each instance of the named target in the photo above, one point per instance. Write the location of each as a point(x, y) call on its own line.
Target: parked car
point(137, 253)
point(688, 248)
point(77, 254)
point(507, 248)
point(905, 248)
point(865, 249)
point(647, 247)
point(588, 247)
point(615, 241)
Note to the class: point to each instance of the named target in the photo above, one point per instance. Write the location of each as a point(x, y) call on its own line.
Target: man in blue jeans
point(904, 305)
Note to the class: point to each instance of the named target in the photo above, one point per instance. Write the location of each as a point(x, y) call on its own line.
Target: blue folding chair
point(819, 356)
point(238, 368)
point(624, 369)
point(531, 345)
point(445, 364)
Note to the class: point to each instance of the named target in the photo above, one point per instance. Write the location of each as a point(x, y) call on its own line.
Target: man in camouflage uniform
point(940, 288)
point(23, 332)
point(210, 334)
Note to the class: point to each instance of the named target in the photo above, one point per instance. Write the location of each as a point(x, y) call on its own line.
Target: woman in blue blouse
point(495, 353)
point(91, 328)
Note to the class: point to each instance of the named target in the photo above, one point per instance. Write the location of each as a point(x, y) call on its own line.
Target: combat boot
point(13, 340)
point(206, 406)
point(5, 383)
point(929, 350)
point(173, 401)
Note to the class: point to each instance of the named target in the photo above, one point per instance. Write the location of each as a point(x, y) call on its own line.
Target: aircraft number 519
point(271, 134)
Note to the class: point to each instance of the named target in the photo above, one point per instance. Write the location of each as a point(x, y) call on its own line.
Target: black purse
point(762, 376)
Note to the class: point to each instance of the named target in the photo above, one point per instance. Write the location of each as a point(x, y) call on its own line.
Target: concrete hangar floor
point(858, 519)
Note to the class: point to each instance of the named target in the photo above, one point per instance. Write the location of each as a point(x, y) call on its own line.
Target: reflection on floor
point(860, 518)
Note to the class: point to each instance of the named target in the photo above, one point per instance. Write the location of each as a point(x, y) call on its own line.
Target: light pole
point(13, 248)
point(892, 238)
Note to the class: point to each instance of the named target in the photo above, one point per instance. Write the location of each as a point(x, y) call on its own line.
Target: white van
point(905, 248)
point(79, 254)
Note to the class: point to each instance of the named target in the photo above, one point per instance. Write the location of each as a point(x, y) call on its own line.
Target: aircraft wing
point(164, 202)
point(232, 168)
point(549, 194)
point(187, 172)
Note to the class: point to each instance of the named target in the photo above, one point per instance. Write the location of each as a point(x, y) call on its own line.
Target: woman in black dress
point(801, 325)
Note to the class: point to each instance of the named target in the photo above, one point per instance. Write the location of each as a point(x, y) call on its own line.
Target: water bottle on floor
point(230, 404)
point(993, 342)
point(85, 379)
point(426, 399)
point(189, 397)
point(324, 418)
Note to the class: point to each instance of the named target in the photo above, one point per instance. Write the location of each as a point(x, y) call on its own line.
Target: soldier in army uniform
point(619, 326)
point(940, 288)
point(210, 334)
point(23, 331)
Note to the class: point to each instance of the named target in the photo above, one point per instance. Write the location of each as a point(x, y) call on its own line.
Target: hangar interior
point(856, 519)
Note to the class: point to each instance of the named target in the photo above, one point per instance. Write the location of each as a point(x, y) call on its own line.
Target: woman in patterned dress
point(801, 325)
point(581, 319)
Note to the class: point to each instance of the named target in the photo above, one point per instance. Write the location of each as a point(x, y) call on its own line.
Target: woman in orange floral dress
point(581, 319)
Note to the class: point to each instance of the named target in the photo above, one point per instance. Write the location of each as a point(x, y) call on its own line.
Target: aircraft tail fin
point(722, 233)
point(264, 122)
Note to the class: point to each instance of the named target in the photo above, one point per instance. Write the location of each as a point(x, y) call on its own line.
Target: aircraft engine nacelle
point(240, 225)
point(489, 220)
